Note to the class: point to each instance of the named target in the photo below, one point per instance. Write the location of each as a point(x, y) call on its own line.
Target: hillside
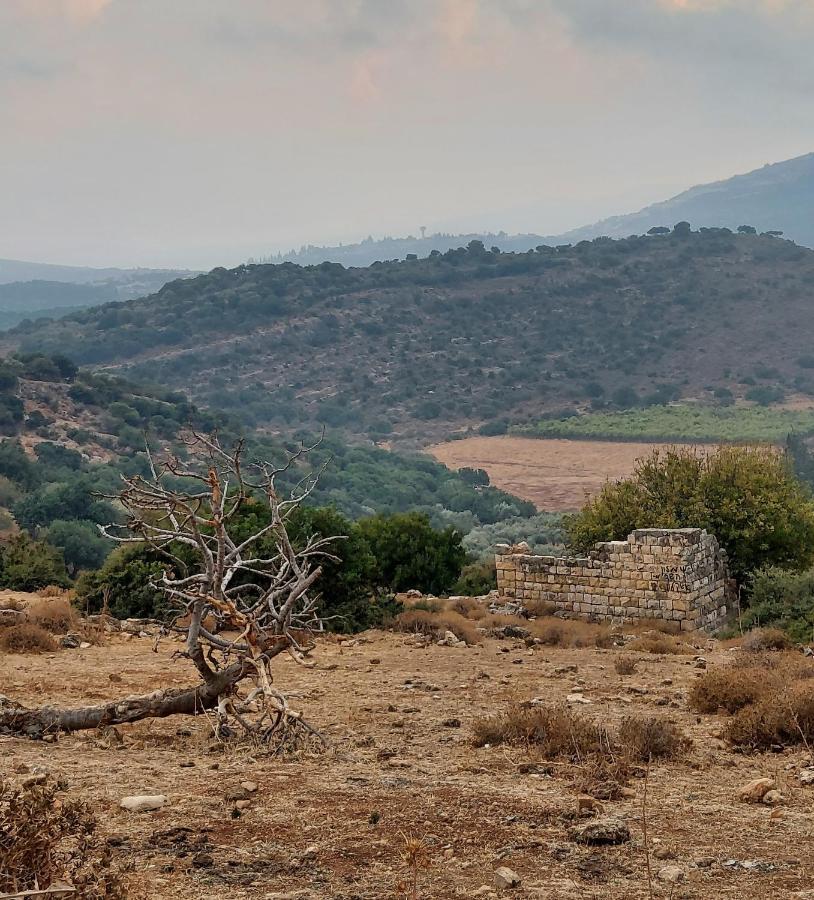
point(416, 350)
point(777, 196)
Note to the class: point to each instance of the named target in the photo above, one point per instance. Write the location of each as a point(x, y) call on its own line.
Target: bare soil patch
point(555, 474)
point(403, 765)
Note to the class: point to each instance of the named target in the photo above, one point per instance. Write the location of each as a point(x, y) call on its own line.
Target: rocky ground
point(402, 766)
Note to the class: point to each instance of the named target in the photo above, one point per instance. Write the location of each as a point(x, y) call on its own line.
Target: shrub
point(779, 598)
point(56, 616)
point(476, 579)
point(554, 731)
point(27, 638)
point(655, 642)
point(624, 665)
point(760, 639)
point(574, 633)
point(747, 497)
point(45, 839)
point(419, 621)
point(650, 738)
point(784, 719)
point(467, 607)
point(536, 608)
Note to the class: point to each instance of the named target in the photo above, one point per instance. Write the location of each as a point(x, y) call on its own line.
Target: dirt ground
point(402, 765)
point(554, 474)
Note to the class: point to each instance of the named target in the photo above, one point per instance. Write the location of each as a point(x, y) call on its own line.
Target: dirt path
point(554, 474)
point(333, 826)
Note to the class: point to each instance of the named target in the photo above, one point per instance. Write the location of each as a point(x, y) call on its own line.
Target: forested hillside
point(470, 338)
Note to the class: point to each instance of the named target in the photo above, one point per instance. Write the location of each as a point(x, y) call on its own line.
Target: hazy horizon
point(198, 133)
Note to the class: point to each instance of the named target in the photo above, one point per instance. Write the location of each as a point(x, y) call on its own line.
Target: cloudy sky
point(199, 132)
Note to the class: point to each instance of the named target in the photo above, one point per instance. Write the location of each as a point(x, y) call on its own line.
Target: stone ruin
point(680, 575)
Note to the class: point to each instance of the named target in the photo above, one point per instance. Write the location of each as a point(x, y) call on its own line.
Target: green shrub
point(783, 599)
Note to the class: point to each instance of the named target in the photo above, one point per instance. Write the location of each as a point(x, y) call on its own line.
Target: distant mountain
point(777, 197)
point(19, 270)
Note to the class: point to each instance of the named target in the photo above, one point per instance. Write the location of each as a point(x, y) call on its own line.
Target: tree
point(682, 228)
point(28, 565)
point(410, 553)
point(747, 229)
point(658, 229)
point(746, 496)
point(80, 542)
point(266, 600)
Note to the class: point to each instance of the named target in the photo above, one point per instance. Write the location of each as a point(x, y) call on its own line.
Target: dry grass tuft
point(535, 608)
point(56, 616)
point(27, 638)
point(762, 639)
point(47, 839)
point(54, 590)
point(784, 719)
point(728, 689)
point(651, 738)
point(468, 607)
point(12, 603)
point(555, 731)
point(624, 665)
point(419, 621)
point(662, 644)
point(573, 633)
point(648, 625)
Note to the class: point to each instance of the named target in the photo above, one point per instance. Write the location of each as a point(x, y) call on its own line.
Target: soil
point(334, 825)
point(555, 474)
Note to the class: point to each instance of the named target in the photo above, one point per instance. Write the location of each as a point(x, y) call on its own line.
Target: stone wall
point(675, 574)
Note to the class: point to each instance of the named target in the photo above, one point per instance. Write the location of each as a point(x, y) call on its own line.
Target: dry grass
point(45, 839)
point(535, 608)
point(56, 616)
point(648, 625)
point(770, 697)
point(12, 603)
point(762, 639)
point(27, 638)
point(468, 607)
point(554, 731)
point(662, 644)
point(643, 738)
point(419, 621)
point(53, 590)
point(624, 665)
point(572, 633)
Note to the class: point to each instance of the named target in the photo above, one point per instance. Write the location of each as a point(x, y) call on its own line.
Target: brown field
point(399, 767)
point(555, 474)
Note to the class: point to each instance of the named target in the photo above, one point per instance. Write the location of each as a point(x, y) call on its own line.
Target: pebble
point(754, 791)
point(773, 798)
point(249, 786)
point(671, 874)
point(610, 830)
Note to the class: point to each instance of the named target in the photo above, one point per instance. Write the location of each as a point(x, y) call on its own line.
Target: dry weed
point(419, 621)
point(56, 616)
point(644, 738)
point(535, 608)
point(763, 639)
point(574, 633)
point(27, 638)
point(468, 607)
point(659, 643)
point(624, 665)
point(45, 839)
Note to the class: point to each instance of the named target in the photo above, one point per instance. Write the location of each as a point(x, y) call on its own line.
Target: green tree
point(126, 581)
point(410, 553)
point(28, 565)
point(746, 496)
point(82, 545)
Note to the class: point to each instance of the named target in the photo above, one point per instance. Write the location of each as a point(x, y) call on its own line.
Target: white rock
point(577, 698)
point(143, 802)
point(249, 786)
point(506, 878)
point(672, 874)
point(807, 776)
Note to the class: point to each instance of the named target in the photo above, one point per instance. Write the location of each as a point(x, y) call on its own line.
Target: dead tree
point(238, 604)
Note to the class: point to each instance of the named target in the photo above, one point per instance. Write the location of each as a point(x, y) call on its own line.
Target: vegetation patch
point(27, 638)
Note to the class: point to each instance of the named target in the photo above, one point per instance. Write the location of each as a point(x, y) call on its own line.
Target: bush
point(624, 665)
point(746, 497)
point(477, 579)
point(664, 644)
point(467, 607)
point(650, 738)
point(574, 633)
point(554, 731)
point(27, 638)
point(761, 639)
point(419, 621)
point(784, 719)
point(56, 616)
point(27, 565)
point(536, 608)
point(781, 599)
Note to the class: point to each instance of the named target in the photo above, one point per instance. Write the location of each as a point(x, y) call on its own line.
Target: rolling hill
point(412, 351)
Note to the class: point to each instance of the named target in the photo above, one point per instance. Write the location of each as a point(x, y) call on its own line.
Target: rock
point(84, 645)
point(203, 861)
point(754, 791)
point(310, 853)
point(704, 862)
point(577, 698)
point(807, 651)
point(483, 891)
point(565, 670)
point(807, 776)
point(143, 802)
point(506, 878)
point(71, 641)
point(238, 793)
point(671, 874)
point(249, 786)
point(242, 804)
point(773, 798)
point(588, 805)
point(451, 723)
point(610, 830)
point(663, 853)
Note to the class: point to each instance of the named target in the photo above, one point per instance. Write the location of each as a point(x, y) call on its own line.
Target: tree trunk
point(35, 723)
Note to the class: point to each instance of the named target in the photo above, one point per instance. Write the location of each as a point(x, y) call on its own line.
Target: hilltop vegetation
point(419, 349)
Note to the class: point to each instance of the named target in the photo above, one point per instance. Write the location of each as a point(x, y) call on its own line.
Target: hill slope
point(778, 196)
point(417, 349)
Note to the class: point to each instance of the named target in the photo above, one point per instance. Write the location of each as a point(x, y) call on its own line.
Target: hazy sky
point(199, 132)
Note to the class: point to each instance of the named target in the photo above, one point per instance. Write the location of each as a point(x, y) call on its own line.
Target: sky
point(195, 133)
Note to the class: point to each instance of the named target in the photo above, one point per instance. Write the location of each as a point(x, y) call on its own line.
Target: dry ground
point(400, 767)
point(553, 473)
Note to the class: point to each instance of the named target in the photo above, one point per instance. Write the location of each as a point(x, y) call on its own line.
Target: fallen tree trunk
point(36, 723)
